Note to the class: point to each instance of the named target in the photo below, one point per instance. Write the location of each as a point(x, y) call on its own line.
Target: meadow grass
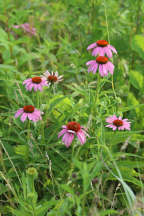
point(99, 173)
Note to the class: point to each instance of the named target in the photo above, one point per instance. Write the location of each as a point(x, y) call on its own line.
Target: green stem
point(37, 99)
point(28, 132)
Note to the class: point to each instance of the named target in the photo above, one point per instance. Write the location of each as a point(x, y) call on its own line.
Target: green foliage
point(39, 176)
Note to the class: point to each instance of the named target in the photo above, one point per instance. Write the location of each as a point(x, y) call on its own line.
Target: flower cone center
point(102, 43)
point(28, 109)
point(74, 126)
point(101, 59)
point(118, 122)
point(36, 80)
point(52, 78)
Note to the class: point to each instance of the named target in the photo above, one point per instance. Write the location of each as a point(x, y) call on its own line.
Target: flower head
point(36, 83)
point(102, 47)
point(71, 129)
point(29, 112)
point(103, 64)
point(27, 28)
point(52, 77)
point(118, 122)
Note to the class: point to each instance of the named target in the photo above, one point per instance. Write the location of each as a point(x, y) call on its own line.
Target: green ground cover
point(39, 175)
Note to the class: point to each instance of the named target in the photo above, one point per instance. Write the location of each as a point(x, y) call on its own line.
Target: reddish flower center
point(28, 109)
point(102, 43)
point(36, 80)
point(101, 59)
point(118, 122)
point(74, 126)
point(52, 78)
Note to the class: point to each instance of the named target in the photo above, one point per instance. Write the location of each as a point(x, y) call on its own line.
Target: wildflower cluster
point(36, 83)
point(103, 52)
point(100, 49)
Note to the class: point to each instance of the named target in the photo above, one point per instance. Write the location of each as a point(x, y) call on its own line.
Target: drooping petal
point(24, 116)
point(18, 113)
point(104, 68)
point(112, 48)
point(110, 67)
point(108, 52)
point(35, 86)
point(39, 87)
point(67, 139)
point(101, 70)
point(95, 67)
point(91, 62)
point(81, 137)
point(27, 81)
point(62, 132)
point(96, 51)
point(91, 46)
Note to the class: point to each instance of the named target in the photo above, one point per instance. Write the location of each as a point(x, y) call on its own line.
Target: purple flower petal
point(81, 137)
point(110, 67)
point(18, 113)
point(91, 46)
point(62, 132)
point(24, 116)
point(112, 48)
point(67, 139)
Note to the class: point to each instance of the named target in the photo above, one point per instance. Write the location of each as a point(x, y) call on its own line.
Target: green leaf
point(136, 79)
point(108, 212)
point(138, 45)
point(22, 150)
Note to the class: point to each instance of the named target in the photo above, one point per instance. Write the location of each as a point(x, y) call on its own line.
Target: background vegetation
point(39, 176)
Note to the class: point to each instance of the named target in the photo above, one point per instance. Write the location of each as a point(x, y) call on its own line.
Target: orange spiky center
point(74, 126)
point(28, 109)
point(102, 43)
point(101, 59)
point(36, 80)
point(118, 122)
point(52, 78)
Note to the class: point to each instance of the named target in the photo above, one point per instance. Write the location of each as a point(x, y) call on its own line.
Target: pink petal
point(67, 139)
point(114, 127)
point(81, 137)
point(96, 51)
point(16, 26)
point(40, 87)
point(91, 62)
point(62, 132)
point(108, 52)
point(112, 48)
point(95, 67)
point(27, 81)
point(24, 116)
point(29, 87)
point(104, 68)
point(111, 119)
point(18, 113)
point(110, 67)
point(101, 70)
point(91, 46)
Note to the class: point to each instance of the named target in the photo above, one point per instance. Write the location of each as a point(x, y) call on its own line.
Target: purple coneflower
point(29, 112)
point(71, 129)
point(102, 63)
point(52, 77)
point(36, 83)
point(102, 47)
point(27, 28)
point(121, 124)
